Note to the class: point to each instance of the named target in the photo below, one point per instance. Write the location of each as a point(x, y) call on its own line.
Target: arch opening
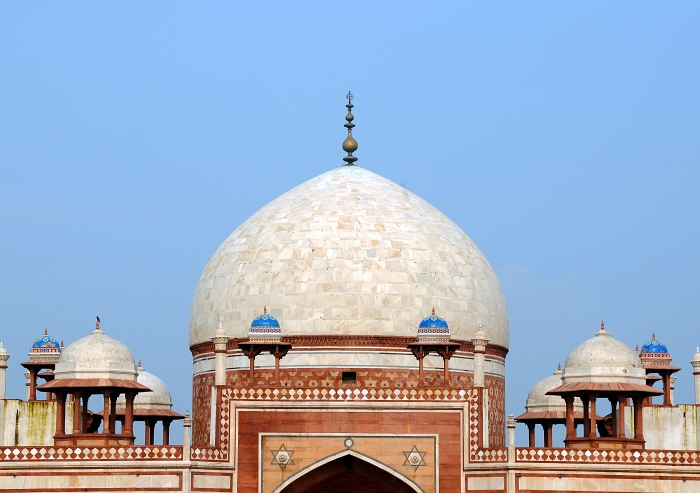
point(348, 474)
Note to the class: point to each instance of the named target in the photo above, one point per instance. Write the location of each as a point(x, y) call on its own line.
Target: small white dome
point(96, 356)
point(539, 401)
point(603, 359)
point(158, 398)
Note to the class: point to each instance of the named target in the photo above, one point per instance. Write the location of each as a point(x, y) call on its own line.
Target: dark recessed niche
point(349, 376)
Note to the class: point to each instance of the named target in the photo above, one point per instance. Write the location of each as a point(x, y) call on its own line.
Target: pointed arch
point(344, 464)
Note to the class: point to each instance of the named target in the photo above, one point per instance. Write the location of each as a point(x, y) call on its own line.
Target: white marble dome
point(349, 252)
point(158, 398)
point(96, 356)
point(539, 401)
point(603, 359)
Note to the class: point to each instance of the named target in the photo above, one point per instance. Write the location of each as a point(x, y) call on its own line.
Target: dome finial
point(653, 336)
point(349, 144)
point(559, 367)
point(97, 324)
point(265, 310)
point(46, 332)
point(433, 311)
point(602, 331)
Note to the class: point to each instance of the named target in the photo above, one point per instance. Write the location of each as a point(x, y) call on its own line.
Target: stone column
point(106, 416)
point(511, 436)
point(150, 432)
point(673, 387)
point(166, 431)
point(621, 433)
point(60, 413)
point(592, 428)
point(638, 424)
point(531, 434)
point(419, 353)
point(667, 388)
point(586, 416)
point(480, 342)
point(32, 385)
point(547, 434)
point(27, 375)
point(113, 412)
point(613, 416)
point(570, 424)
point(220, 340)
point(77, 398)
point(696, 374)
point(84, 413)
point(128, 428)
point(4, 356)
point(186, 451)
point(511, 452)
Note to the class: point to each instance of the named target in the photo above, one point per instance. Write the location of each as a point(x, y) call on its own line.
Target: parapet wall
point(30, 423)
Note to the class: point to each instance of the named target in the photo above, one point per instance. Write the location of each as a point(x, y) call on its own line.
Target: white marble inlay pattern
point(349, 252)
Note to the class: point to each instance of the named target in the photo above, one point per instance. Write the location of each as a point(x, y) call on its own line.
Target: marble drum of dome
point(349, 253)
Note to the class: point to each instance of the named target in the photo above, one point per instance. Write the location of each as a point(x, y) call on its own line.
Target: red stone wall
point(446, 424)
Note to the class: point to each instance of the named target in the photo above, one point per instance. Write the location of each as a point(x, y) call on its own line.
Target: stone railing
point(667, 457)
point(168, 452)
point(489, 455)
point(211, 454)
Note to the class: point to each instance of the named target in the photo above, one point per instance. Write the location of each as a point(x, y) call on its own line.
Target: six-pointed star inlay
point(283, 457)
point(414, 458)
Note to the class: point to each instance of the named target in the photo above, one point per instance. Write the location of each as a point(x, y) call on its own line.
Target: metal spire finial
point(349, 144)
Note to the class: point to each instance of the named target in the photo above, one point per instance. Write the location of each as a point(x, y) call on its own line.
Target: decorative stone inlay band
point(219, 453)
point(319, 394)
point(477, 453)
point(90, 453)
point(668, 457)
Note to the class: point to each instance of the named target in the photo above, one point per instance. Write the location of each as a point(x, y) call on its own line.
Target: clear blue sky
point(562, 137)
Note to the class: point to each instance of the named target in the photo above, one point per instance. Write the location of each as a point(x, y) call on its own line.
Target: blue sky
point(562, 137)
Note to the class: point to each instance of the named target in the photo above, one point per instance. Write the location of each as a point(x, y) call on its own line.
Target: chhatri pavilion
point(347, 337)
